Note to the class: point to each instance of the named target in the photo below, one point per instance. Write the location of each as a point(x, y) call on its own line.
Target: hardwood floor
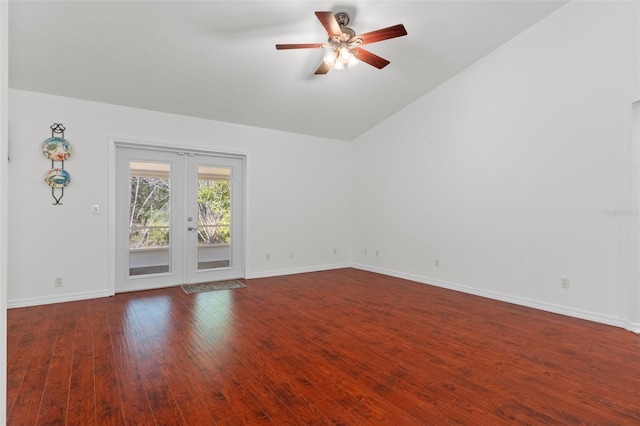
point(340, 347)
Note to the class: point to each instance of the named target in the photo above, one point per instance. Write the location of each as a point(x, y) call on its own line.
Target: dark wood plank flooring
point(341, 347)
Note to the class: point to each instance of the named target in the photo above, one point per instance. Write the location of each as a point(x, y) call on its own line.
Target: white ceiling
point(217, 59)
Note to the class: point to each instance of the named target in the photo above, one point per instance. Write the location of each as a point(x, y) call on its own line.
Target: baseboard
point(635, 327)
point(47, 300)
point(549, 307)
point(292, 271)
point(557, 309)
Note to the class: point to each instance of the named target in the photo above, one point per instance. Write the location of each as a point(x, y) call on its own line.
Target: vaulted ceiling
point(217, 59)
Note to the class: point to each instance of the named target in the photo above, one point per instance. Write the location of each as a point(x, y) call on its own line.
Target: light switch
point(95, 209)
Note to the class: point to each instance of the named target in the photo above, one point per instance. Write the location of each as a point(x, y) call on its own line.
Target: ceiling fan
point(343, 46)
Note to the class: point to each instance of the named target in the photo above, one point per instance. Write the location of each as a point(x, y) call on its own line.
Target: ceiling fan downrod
point(342, 18)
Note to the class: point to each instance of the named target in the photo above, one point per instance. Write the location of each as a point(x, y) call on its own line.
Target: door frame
point(166, 147)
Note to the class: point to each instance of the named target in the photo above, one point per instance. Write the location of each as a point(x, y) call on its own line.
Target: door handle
point(191, 228)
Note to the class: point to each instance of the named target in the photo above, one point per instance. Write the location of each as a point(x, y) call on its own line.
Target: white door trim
point(160, 146)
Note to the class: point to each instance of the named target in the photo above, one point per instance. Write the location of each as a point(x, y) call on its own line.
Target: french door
point(179, 217)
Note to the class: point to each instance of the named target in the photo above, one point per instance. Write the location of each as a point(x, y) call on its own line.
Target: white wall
point(297, 186)
point(516, 172)
point(4, 71)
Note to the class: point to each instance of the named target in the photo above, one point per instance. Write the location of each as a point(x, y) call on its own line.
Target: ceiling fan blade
point(383, 34)
point(299, 46)
point(323, 68)
point(370, 58)
point(328, 21)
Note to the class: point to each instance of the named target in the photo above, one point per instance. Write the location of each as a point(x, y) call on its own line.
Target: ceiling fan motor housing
point(342, 18)
point(347, 33)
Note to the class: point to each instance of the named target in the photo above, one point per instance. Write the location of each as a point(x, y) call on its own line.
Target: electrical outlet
point(268, 256)
point(377, 252)
point(437, 263)
point(335, 251)
point(57, 282)
point(365, 252)
point(290, 253)
point(564, 282)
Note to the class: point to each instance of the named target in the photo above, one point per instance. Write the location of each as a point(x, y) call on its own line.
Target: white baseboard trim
point(47, 300)
point(549, 307)
point(301, 270)
point(557, 309)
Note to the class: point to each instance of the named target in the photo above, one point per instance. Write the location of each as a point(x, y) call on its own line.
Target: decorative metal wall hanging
point(57, 148)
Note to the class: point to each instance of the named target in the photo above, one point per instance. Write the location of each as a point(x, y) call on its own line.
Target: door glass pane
point(214, 217)
point(149, 218)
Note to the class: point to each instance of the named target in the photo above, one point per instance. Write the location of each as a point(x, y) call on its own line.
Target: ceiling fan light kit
point(343, 44)
point(340, 57)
